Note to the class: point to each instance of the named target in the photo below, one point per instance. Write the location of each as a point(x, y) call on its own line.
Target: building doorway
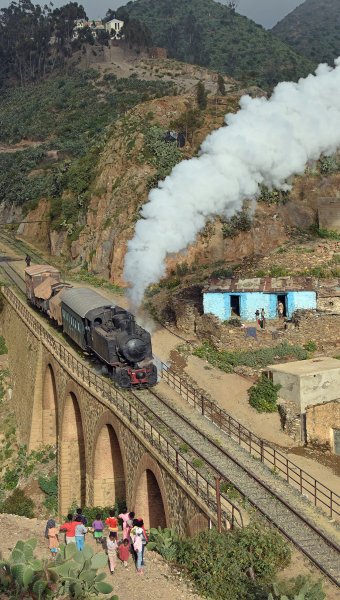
point(283, 298)
point(235, 305)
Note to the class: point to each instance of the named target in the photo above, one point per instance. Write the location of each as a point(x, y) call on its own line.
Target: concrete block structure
point(226, 298)
point(308, 382)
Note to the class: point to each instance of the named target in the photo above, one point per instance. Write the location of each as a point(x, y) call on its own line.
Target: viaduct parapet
point(102, 456)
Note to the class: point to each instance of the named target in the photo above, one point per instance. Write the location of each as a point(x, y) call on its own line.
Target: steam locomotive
point(95, 325)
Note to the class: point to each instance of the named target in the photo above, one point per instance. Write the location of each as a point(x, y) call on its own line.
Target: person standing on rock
point(52, 534)
point(257, 316)
point(280, 309)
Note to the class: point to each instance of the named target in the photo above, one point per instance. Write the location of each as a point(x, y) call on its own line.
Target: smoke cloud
point(266, 142)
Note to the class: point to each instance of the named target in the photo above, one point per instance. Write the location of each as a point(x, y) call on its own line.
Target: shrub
point(50, 487)
point(198, 463)
point(237, 223)
point(220, 273)
point(310, 346)
point(222, 565)
point(263, 395)
point(3, 347)
point(164, 542)
point(18, 504)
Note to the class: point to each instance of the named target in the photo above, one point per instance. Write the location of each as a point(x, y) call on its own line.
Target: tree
point(201, 96)
point(220, 85)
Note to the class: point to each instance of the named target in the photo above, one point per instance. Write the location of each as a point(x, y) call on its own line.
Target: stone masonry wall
point(30, 362)
point(321, 420)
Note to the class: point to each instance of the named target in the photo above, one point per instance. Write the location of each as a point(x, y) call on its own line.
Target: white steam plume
point(265, 142)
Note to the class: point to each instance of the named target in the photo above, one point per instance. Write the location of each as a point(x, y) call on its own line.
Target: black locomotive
point(96, 325)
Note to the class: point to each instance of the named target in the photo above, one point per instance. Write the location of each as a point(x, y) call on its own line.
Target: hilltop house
point(226, 298)
point(114, 26)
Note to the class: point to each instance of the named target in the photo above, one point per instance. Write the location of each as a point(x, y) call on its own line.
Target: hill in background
point(313, 28)
point(210, 34)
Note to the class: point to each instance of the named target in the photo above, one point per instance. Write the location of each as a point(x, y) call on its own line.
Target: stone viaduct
point(102, 455)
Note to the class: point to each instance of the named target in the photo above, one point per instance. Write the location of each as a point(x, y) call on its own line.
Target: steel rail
point(288, 470)
point(104, 387)
point(305, 521)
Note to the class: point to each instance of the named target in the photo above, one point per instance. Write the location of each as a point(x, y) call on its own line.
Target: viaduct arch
point(102, 456)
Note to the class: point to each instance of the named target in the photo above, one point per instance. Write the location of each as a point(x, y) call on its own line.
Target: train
point(96, 325)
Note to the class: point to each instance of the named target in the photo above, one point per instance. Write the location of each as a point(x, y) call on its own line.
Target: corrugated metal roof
point(81, 300)
point(37, 269)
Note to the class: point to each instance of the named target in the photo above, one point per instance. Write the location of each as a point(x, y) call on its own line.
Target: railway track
point(285, 508)
point(280, 504)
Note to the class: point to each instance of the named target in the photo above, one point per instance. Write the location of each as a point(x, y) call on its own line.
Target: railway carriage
point(96, 325)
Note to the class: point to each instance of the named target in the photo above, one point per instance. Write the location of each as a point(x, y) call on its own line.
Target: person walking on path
point(52, 534)
point(83, 518)
point(124, 552)
point(80, 531)
point(112, 523)
point(263, 319)
point(138, 548)
point(144, 539)
point(98, 529)
point(69, 529)
point(28, 260)
point(111, 548)
point(124, 515)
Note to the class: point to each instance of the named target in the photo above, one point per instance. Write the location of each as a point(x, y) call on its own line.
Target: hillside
point(313, 29)
point(211, 34)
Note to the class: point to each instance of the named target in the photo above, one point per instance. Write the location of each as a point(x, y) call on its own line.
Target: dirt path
point(157, 583)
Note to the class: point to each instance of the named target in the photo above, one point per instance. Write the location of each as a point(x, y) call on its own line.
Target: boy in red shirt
point(124, 552)
point(112, 523)
point(69, 529)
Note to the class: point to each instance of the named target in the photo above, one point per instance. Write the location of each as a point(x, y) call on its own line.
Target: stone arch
point(49, 408)
point(72, 456)
point(108, 465)
point(150, 502)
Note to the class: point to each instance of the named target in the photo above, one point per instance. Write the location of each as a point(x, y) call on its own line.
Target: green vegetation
point(263, 396)
point(49, 485)
point(3, 347)
point(236, 564)
point(313, 29)
point(88, 277)
point(301, 588)
point(72, 574)
point(272, 196)
point(24, 463)
point(68, 115)
point(213, 35)
point(18, 504)
point(241, 221)
point(324, 233)
point(160, 154)
point(310, 346)
point(201, 96)
point(227, 360)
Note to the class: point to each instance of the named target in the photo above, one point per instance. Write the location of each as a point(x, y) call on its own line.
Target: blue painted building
point(242, 297)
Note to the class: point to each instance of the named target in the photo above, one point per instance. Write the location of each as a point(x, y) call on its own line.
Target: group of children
point(134, 536)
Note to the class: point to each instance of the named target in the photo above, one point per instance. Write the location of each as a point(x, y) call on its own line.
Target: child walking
point(124, 552)
point(80, 531)
point(124, 515)
point(98, 529)
point(138, 548)
point(112, 523)
point(52, 534)
point(111, 548)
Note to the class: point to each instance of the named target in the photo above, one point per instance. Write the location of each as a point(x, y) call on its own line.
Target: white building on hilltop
point(114, 26)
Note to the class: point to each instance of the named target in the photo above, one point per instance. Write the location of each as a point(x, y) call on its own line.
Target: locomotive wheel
point(122, 378)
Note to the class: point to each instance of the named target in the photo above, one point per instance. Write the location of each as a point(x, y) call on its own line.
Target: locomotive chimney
point(131, 325)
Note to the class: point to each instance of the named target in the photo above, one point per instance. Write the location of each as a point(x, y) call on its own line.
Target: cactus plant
point(73, 573)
